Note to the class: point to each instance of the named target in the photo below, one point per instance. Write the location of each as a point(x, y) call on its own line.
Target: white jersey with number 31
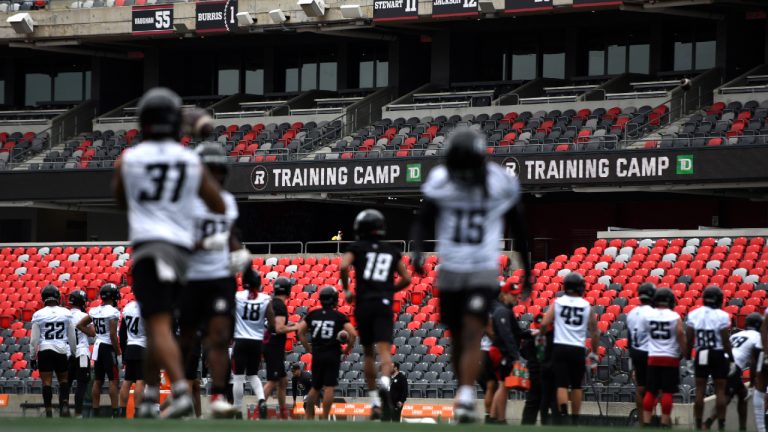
point(571, 320)
point(162, 181)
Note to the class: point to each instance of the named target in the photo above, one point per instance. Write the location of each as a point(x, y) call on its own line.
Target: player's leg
point(327, 401)
point(253, 365)
point(239, 362)
point(533, 396)
point(385, 363)
point(490, 391)
point(758, 394)
point(721, 402)
point(670, 386)
point(698, 403)
point(45, 368)
point(499, 405)
point(98, 381)
point(282, 387)
point(369, 370)
point(309, 403)
point(113, 375)
point(125, 392)
point(217, 342)
point(741, 407)
point(62, 374)
point(652, 387)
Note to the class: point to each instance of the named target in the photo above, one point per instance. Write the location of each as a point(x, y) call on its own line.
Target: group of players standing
point(186, 255)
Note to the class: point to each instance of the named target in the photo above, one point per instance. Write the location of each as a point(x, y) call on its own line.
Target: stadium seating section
point(721, 124)
point(613, 270)
point(17, 146)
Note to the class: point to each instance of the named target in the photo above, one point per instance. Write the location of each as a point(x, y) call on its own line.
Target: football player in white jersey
point(159, 181)
point(133, 343)
point(638, 339)
point(760, 400)
point(53, 339)
point(744, 344)
point(666, 344)
point(573, 322)
point(210, 294)
point(101, 323)
point(466, 203)
point(250, 324)
point(708, 328)
point(80, 363)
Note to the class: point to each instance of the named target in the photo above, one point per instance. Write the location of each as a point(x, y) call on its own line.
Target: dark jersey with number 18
point(375, 264)
point(324, 325)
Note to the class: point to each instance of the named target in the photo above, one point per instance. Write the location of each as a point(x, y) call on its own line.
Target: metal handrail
point(508, 244)
point(338, 244)
point(269, 245)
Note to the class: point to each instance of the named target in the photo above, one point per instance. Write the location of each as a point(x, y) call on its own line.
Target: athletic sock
point(466, 395)
point(115, 412)
point(63, 394)
point(151, 394)
point(385, 382)
point(47, 397)
point(258, 388)
point(238, 382)
point(375, 400)
point(758, 402)
point(180, 388)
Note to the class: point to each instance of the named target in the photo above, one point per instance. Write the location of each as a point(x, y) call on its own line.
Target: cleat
point(220, 408)
point(262, 409)
point(464, 413)
point(283, 413)
point(180, 407)
point(147, 410)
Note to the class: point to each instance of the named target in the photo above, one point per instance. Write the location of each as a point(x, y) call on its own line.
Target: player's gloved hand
point(33, 364)
point(594, 360)
point(349, 296)
point(417, 261)
point(216, 242)
point(238, 260)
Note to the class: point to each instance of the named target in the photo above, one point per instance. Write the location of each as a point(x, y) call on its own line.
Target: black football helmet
point(214, 157)
point(329, 297)
point(50, 293)
point(574, 284)
point(645, 292)
point(109, 291)
point(370, 225)
point(159, 113)
point(251, 279)
point(664, 297)
point(754, 321)
point(282, 286)
point(465, 157)
point(78, 299)
point(713, 297)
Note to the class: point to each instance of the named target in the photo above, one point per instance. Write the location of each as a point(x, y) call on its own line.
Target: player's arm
point(764, 338)
point(72, 338)
point(85, 326)
point(270, 315)
point(302, 332)
point(123, 335)
point(684, 338)
point(113, 336)
point(423, 229)
point(346, 262)
point(549, 318)
point(118, 187)
point(519, 233)
point(689, 338)
point(352, 336)
point(405, 277)
point(592, 330)
point(725, 337)
point(34, 341)
point(283, 326)
point(210, 192)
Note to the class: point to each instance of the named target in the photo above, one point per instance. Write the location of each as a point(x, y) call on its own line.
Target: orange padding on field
point(362, 409)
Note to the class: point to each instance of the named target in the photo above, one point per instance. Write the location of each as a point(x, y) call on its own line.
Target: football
point(343, 336)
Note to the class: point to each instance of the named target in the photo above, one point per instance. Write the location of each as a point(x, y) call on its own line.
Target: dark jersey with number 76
point(375, 264)
point(324, 326)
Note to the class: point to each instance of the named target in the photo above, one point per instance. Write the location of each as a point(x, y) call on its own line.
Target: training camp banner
point(544, 171)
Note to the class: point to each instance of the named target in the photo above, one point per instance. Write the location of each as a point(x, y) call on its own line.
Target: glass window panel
point(254, 81)
point(705, 54)
point(292, 79)
point(229, 81)
point(2, 92)
point(617, 59)
point(683, 56)
point(553, 65)
point(68, 86)
point(366, 74)
point(639, 58)
point(37, 88)
point(87, 85)
point(596, 63)
point(382, 73)
point(328, 75)
point(523, 66)
point(309, 76)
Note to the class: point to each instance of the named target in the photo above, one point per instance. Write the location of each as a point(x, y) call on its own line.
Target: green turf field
point(105, 425)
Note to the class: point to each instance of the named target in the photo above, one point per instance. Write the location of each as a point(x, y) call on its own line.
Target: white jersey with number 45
point(470, 221)
point(571, 320)
point(250, 315)
point(162, 181)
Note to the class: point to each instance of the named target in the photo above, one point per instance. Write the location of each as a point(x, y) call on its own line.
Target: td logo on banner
point(684, 164)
